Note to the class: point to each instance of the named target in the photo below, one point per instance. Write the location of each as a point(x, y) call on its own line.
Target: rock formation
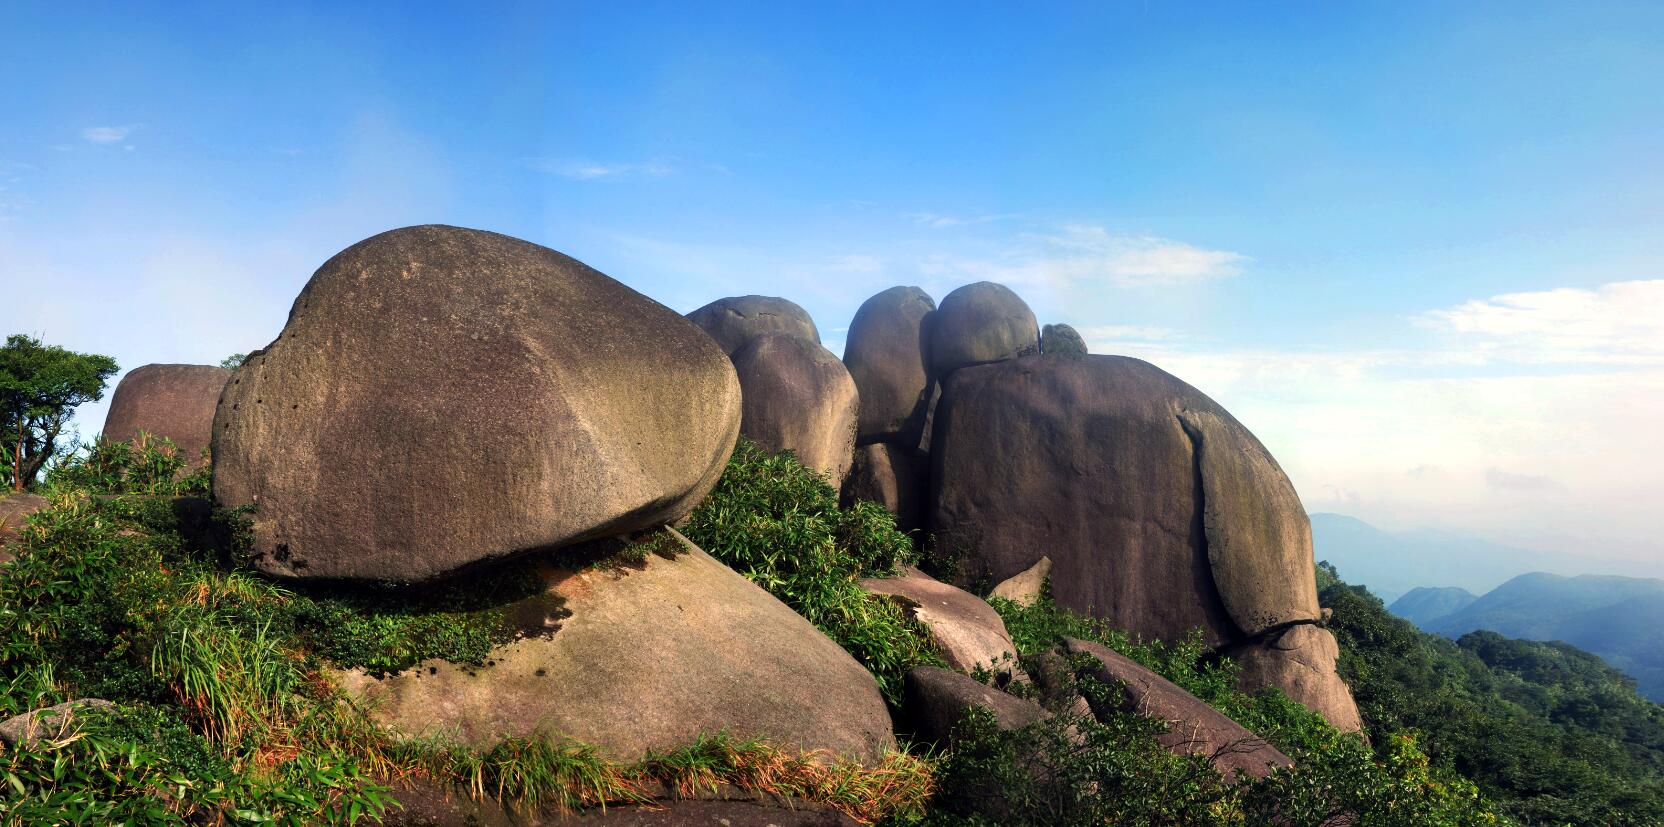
point(1300, 660)
point(442, 396)
point(173, 401)
point(736, 320)
point(980, 323)
point(15, 509)
point(892, 476)
point(966, 630)
point(1061, 338)
point(888, 355)
point(798, 396)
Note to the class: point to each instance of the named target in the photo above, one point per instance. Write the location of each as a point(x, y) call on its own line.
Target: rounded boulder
point(441, 396)
point(799, 397)
point(980, 323)
point(736, 320)
point(1061, 338)
point(173, 401)
point(888, 355)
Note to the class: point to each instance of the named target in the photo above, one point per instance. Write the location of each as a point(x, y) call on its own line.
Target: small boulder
point(443, 396)
point(173, 401)
point(980, 323)
point(1300, 660)
point(891, 476)
point(966, 630)
point(798, 396)
point(646, 658)
point(15, 509)
point(936, 700)
point(1061, 338)
point(1025, 588)
point(888, 355)
point(736, 320)
point(47, 724)
point(1193, 727)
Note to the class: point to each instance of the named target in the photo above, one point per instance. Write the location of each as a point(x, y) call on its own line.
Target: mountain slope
point(1427, 603)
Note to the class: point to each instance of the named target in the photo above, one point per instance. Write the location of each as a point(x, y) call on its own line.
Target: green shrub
point(146, 465)
point(778, 523)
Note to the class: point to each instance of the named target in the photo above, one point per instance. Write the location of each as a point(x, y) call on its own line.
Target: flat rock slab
point(966, 630)
point(1194, 728)
point(937, 699)
point(648, 659)
point(44, 724)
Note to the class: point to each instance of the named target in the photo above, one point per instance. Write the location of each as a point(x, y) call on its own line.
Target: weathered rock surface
point(15, 509)
point(980, 323)
point(893, 477)
point(441, 396)
point(736, 320)
point(798, 396)
point(50, 723)
point(425, 804)
point(1194, 728)
point(173, 401)
point(1300, 660)
point(966, 630)
point(1061, 338)
point(648, 659)
point(1159, 511)
point(1025, 588)
point(936, 699)
point(888, 355)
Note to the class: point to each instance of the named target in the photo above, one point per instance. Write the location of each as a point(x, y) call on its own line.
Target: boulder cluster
point(444, 399)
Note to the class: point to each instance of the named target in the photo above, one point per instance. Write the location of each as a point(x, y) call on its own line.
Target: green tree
point(40, 387)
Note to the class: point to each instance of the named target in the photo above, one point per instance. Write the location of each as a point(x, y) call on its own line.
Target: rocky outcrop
point(1025, 587)
point(442, 396)
point(1300, 660)
point(1159, 511)
point(937, 699)
point(892, 476)
point(51, 723)
point(1193, 727)
point(1061, 338)
point(798, 397)
point(980, 323)
point(966, 630)
point(888, 355)
point(645, 659)
point(172, 401)
point(15, 509)
point(735, 321)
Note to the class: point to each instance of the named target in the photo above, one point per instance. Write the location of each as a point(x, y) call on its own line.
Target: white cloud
point(1616, 323)
point(108, 134)
point(1088, 255)
point(583, 169)
point(938, 221)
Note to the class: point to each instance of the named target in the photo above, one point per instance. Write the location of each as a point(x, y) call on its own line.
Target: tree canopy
point(40, 387)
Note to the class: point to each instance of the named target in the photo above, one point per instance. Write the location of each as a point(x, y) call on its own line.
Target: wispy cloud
point(1509, 481)
point(108, 134)
point(584, 169)
point(938, 221)
point(1088, 254)
point(1616, 323)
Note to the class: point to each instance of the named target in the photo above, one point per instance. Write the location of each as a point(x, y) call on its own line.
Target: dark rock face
point(1159, 511)
point(888, 356)
point(441, 396)
point(1194, 728)
point(937, 698)
point(14, 512)
point(1061, 338)
point(798, 396)
point(893, 477)
point(1300, 660)
point(736, 320)
point(648, 659)
point(966, 630)
point(173, 401)
point(980, 323)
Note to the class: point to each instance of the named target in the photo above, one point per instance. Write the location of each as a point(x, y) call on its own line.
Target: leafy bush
point(146, 465)
point(778, 523)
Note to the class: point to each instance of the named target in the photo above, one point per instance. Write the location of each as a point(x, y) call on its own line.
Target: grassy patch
point(778, 523)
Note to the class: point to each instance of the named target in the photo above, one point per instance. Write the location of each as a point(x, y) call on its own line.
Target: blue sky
point(1417, 247)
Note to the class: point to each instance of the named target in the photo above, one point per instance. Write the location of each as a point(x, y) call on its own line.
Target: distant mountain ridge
point(1425, 603)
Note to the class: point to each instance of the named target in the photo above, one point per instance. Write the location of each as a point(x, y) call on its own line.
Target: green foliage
point(234, 361)
point(778, 523)
point(40, 387)
point(146, 465)
point(1546, 731)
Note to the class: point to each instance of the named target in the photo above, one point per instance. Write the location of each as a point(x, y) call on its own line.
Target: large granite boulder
point(647, 658)
point(980, 323)
point(15, 509)
point(892, 476)
point(736, 320)
point(1061, 338)
point(173, 401)
point(966, 630)
point(1159, 511)
point(1300, 660)
point(937, 699)
point(1193, 727)
point(888, 355)
point(442, 396)
point(798, 396)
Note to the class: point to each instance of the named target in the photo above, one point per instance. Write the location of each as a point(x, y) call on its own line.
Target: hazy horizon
point(1429, 276)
